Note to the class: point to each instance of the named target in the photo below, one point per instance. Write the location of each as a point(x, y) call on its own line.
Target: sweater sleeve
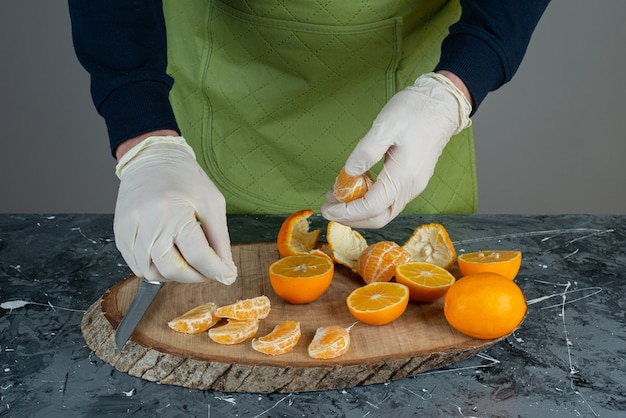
point(486, 46)
point(122, 45)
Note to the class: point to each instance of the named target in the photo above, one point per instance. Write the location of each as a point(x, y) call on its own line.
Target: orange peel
point(431, 243)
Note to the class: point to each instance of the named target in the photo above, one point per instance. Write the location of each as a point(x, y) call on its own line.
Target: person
point(221, 106)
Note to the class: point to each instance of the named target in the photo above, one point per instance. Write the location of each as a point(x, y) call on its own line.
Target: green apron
point(274, 95)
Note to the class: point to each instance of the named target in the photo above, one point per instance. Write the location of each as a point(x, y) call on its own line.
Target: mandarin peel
point(345, 244)
point(431, 243)
point(294, 236)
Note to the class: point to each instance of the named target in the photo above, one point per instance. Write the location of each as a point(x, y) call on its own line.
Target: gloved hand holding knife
point(170, 221)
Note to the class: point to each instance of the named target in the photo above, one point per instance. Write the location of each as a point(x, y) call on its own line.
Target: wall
point(551, 141)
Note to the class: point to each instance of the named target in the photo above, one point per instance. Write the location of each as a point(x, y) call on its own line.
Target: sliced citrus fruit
point(302, 278)
point(282, 339)
point(348, 188)
point(426, 281)
point(378, 303)
point(431, 243)
point(234, 331)
point(294, 236)
point(246, 309)
point(506, 263)
point(377, 263)
point(196, 320)
point(484, 305)
point(329, 342)
point(346, 244)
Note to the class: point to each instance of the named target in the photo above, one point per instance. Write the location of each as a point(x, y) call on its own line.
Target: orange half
point(506, 263)
point(301, 278)
point(378, 303)
point(426, 281)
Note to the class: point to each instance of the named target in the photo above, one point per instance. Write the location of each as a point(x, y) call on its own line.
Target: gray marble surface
point(568, 359)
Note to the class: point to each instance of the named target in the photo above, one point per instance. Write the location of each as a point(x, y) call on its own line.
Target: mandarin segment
point(282, 339)
point(377, 263)
point(348, 188)
point(329, 342)
point(247, 309)
point(378, 303)
point(431, 243)
point(485, 305)
point(196, 320)
point(300, 279)
point(234, 331)
point(426, 281)
point(506, 263)
point(346, 244)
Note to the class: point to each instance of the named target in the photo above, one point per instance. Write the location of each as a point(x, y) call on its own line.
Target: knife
point(146, 293)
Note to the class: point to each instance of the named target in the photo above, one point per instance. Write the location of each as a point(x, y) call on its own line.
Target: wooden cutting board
point(418, 341)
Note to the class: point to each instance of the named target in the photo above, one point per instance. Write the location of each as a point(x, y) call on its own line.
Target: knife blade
point(138, 307)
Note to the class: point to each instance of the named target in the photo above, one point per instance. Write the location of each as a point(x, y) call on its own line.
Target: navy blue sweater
point(122, 44)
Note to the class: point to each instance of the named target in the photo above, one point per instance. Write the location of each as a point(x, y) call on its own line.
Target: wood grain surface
point(419, 340)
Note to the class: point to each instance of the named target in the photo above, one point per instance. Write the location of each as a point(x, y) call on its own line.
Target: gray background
point(551, 141)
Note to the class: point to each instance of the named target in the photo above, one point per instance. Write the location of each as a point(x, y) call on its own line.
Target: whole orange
point(485, 305)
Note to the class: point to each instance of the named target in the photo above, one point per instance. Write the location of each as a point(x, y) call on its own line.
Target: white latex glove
point(410, 132)
point(170, 219)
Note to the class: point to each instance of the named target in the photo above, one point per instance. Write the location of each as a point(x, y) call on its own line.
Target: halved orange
point(485, 305)
point(282, 339)
point(329, 342)
point(426, 281)
point(506, 263)
point(196, 320)
point(301, 278)
point(348, 188)
point(431, 243)
point(247, 309)
point(346, 244)
point(234, 331)
point(377, 263)
point(378, 303)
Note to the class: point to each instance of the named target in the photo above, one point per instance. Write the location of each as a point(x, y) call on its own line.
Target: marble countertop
point(568, 358)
